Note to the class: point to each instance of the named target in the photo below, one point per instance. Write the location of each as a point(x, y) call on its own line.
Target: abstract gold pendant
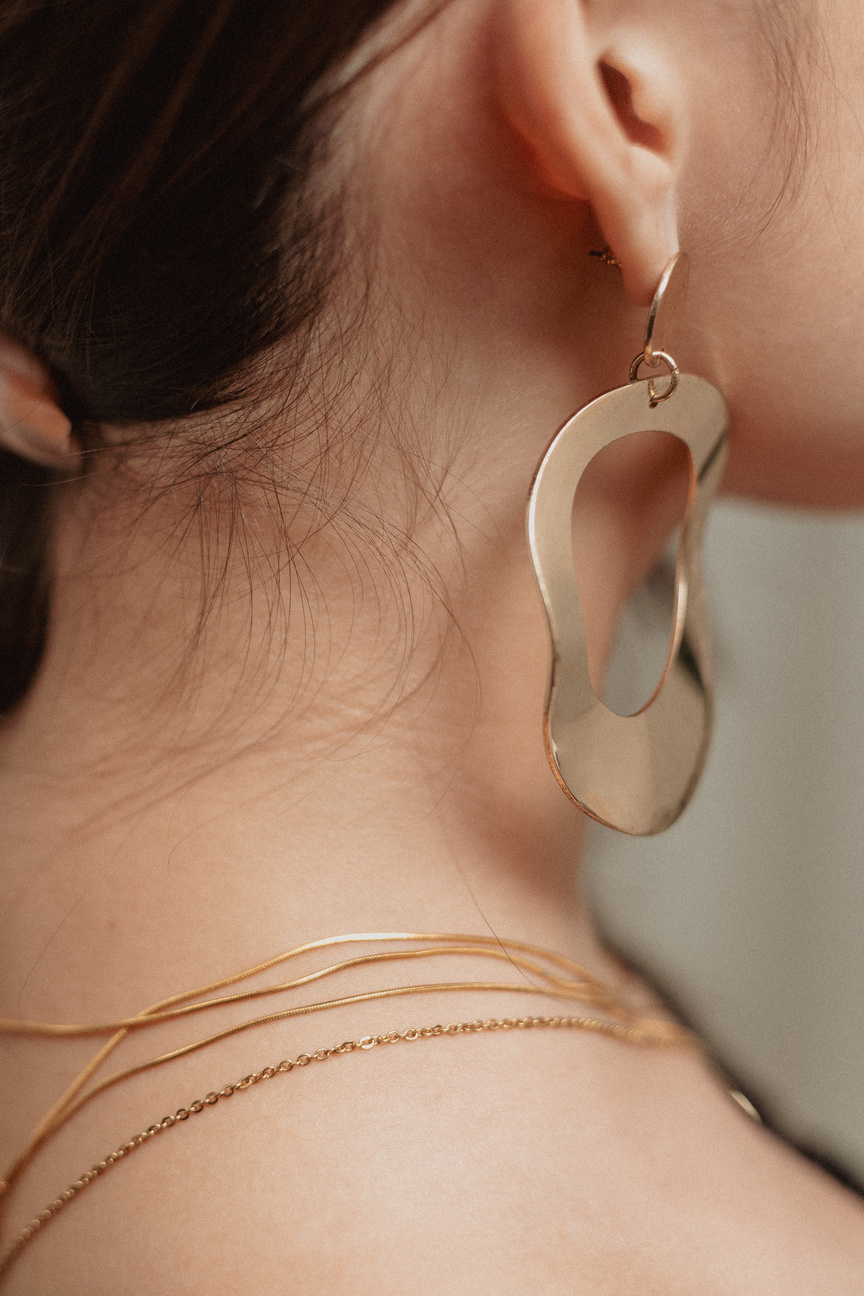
point(634, 773)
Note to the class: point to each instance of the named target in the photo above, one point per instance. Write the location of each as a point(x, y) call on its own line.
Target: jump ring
point(674, 375)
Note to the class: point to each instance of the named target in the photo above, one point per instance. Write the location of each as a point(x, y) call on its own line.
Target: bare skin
point(169, 816)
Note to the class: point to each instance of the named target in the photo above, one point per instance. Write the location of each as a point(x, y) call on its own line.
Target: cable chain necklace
point(544, 973)
point(632, 1034)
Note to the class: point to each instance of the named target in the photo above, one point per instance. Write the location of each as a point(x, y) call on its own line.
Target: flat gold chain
point(634, 1034)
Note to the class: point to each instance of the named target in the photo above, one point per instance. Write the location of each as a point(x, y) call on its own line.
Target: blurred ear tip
point(22, 443)
point(52, 422)
point(33, 426)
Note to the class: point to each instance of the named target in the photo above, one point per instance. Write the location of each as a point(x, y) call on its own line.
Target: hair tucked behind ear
point(154, 157)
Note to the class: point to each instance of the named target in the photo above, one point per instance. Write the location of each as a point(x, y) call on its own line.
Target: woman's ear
point(595, 100)
point(32, 424)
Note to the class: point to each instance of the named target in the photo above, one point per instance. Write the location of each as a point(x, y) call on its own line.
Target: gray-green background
point(751, 909)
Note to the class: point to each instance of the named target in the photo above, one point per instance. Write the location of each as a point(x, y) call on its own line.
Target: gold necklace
point(554, 976)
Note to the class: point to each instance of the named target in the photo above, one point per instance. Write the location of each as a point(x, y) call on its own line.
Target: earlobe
point(32, 424)
point(597, 111)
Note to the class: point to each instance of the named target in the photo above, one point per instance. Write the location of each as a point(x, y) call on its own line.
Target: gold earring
point(634, 773)
point(607, 256)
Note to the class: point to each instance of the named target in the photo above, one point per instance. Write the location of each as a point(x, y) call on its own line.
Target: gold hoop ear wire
point(664, 316)
point(633, 773)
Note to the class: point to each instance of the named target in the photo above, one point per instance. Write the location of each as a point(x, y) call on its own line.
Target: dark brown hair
point(154, 156)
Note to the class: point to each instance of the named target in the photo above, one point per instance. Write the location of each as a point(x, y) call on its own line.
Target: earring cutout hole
point(643, 638)
point(628, 513)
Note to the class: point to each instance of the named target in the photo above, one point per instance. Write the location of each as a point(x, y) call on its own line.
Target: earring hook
point(664, 316)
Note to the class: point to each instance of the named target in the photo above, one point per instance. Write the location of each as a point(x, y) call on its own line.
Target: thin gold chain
point(542, 972)
point(563, 980)
point(634, 1034)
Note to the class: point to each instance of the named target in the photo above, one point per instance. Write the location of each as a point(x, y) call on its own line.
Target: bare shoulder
point(494, 1165)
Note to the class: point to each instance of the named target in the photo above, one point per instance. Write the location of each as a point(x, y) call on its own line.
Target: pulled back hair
point(154, 155)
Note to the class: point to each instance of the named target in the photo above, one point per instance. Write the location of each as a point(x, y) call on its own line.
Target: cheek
point(792, 370)
point(773, 215)
point(777, 322)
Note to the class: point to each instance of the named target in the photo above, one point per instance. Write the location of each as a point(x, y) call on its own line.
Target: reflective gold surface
point(634, 773)
point(667, 307)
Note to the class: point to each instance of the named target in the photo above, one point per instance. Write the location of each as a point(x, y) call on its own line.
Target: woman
point(295, 297)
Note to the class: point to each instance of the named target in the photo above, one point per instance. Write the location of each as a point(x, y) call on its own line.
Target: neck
point(232, 749)
point(172, 818)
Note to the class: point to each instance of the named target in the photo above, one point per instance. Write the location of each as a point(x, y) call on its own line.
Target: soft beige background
point(751, 909)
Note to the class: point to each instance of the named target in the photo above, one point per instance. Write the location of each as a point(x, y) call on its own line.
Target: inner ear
point(620, 94)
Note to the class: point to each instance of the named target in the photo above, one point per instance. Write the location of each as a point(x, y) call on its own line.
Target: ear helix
point(32, 424)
